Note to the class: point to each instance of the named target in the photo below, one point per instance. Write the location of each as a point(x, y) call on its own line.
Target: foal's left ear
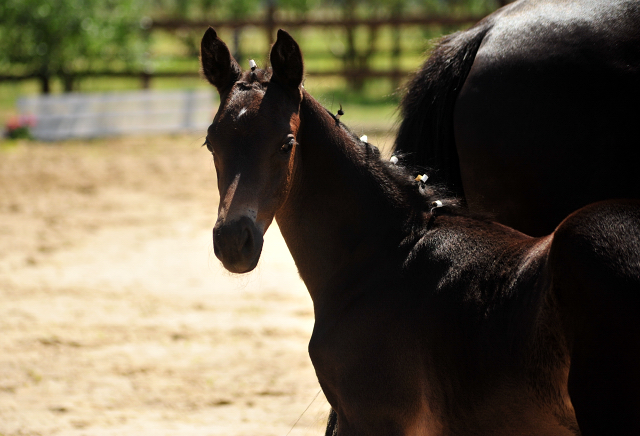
point(286, 61)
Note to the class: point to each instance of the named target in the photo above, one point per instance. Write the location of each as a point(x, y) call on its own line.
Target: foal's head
point(253, 142)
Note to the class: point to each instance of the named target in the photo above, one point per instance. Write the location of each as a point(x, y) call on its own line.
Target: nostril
point(247, 242)
point(217, 242)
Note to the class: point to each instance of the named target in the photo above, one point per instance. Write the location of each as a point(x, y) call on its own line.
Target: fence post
point(396, 51)
point(145, 80)
point(270, 23)
point(364, 65)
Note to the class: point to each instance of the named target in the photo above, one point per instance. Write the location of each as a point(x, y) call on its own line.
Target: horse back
point(531, 113)
point(549, 105)
point(594, 262)
point(602, 241)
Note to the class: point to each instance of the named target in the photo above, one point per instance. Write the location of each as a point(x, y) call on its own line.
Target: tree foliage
point(66, 37)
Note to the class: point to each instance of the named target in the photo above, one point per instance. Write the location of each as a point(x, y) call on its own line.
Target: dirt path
point(116, 317)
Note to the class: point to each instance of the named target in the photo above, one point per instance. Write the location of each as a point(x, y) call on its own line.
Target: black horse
point(428, 321)
point(533, 112)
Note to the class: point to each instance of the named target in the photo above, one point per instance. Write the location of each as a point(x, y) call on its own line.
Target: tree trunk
point(237, 50)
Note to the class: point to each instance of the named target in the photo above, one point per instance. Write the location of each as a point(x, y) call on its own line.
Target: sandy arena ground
point(116, 317)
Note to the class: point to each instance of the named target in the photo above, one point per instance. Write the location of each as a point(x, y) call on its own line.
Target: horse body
point(412, 335)
point(531, 113)
point(428, 321)
point(446, 345)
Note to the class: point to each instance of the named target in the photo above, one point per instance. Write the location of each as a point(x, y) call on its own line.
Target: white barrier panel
point(80, 115)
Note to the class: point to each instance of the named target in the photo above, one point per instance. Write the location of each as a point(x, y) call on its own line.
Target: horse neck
point(334, 208)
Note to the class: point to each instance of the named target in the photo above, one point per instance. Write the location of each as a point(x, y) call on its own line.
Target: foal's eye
point(208, 144)
point(286, 148)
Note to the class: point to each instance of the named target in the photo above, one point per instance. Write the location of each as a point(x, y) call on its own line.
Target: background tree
point(64, 38)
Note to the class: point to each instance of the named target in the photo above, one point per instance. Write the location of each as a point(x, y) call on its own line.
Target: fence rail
point(329, 22)
point(147, 77)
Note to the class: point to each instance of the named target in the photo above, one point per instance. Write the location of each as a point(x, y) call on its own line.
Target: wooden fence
point(355, 64)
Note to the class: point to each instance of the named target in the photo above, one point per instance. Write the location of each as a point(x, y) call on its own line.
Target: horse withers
point(533, 112)
point(428, 320)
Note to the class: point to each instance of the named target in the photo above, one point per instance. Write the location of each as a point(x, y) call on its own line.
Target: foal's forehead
point(248, 104)
point(243, 104)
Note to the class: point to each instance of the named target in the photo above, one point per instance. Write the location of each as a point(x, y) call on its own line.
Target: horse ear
point(218, 66)
point(286, 61)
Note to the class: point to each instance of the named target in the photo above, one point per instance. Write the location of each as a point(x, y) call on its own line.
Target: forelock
point(256, 78)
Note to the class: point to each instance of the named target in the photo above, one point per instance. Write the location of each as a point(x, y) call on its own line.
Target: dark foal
point(428, 321)
point(533, 112)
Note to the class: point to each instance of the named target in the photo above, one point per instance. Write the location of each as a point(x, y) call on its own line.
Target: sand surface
point(116, 317)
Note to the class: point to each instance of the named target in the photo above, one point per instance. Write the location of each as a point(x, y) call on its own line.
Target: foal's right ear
point(218, 66)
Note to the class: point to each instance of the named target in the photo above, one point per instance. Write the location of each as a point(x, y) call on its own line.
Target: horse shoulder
point(366, 353)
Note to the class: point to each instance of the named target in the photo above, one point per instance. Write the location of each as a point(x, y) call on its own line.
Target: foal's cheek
point(291, 163)
point(217, 170)
point(288, 176)
point(275, 190)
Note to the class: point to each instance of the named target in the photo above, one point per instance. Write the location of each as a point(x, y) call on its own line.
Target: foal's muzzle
point(238, 244)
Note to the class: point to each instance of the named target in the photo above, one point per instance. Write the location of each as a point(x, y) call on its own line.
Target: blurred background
point(355, 51)
point(115, 316)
